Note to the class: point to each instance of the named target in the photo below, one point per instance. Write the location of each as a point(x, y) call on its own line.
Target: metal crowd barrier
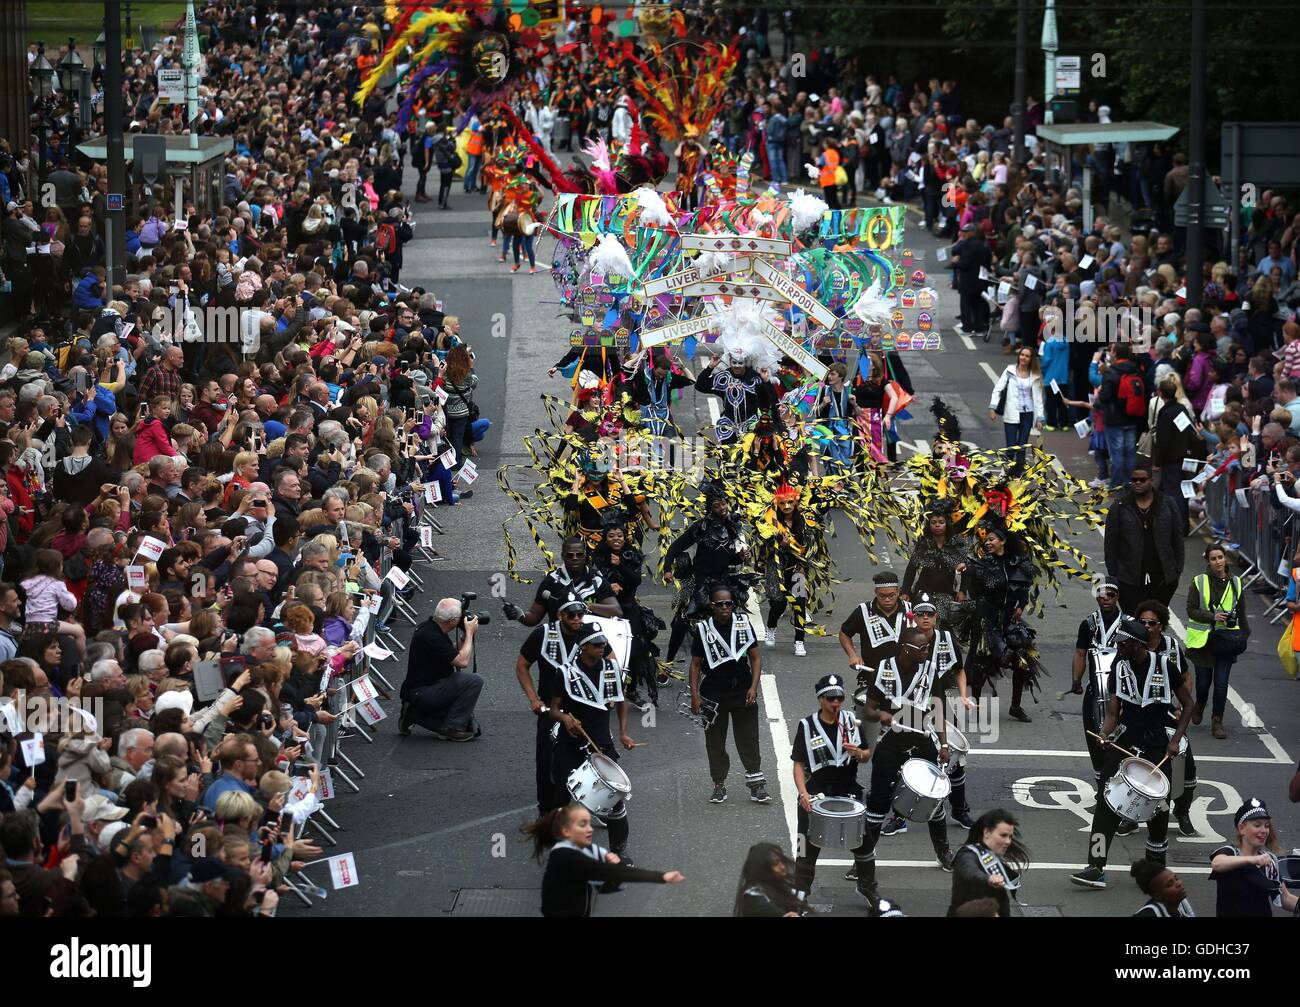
point(349, 728)
point(1260, 533)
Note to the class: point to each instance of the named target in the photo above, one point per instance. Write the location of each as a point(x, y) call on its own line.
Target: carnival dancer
point(991, 863)
point(651, 382)
point(1166, 895)
point(899, 699)
point(597, 494)
point(551, 646)
point(576, 868)
point(1246, 872)
point(690, 156)
point(583, 694)
point(827, 749)
point(938, 560)
point(837, 410)
point(726, 654)
point(1145, 690)
point(1000, 579)
point(620, 563)
point(949, 673)
point(720, 550)
point(786, 536)
point(575, 578)
point(744, 393)
point(1097, 634)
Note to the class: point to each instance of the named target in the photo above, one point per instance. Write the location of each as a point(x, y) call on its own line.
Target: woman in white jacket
point(1018, 397)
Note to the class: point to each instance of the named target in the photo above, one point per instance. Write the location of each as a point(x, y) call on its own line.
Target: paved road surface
point(436, 826)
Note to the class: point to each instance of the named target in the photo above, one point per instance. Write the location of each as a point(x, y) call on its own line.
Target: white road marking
point(1061, 753)
point(922, 446)
point(967, 341)
point(934, 865)
point(1249, 717)
point(780, 742)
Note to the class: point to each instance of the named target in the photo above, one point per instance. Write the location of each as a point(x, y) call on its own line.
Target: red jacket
point(151, 439)
point(22, 502)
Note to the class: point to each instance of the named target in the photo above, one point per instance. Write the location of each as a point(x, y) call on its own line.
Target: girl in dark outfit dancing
point(576, 868)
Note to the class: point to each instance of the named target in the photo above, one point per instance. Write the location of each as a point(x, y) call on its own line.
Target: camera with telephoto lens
point(484, 618)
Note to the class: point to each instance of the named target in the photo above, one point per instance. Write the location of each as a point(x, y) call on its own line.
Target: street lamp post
point(1049, 45)
point(42, 83)
point(71, 79)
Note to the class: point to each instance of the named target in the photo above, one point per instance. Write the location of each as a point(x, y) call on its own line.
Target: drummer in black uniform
point(1096, 632)
point(550, 646)
point(575, 578)
point(1154, 618)
point(899, 698)
point(875, 626)
point(583, 694)
point(946, 661)
point(826, 752)
point(1145, 690)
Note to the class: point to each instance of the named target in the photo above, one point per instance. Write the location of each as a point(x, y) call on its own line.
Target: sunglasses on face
point(1149, 622)
point(724, 604)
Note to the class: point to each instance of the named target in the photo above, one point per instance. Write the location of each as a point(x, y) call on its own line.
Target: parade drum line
point(599, 784)
point(921, 789)
point(619, 634)
point(837, 823)
point(1136, 790)
point(1101, 665)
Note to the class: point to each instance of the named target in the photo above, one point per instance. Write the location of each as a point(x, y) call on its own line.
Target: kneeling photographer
point(439, 693)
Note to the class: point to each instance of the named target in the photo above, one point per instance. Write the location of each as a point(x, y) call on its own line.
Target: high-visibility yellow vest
point(1198, 633)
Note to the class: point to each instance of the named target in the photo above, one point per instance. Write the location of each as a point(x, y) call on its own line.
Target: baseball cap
point(175, 700)
point(99, 808)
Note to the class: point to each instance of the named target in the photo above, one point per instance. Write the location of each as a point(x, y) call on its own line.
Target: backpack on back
point(386, 239)
point(1132, 395)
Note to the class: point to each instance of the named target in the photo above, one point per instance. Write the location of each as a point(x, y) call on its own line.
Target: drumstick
point(1163, 761)
point(1112, 744)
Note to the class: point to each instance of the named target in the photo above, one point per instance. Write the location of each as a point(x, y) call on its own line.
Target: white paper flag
point(1242, 499)
point(1191, 464)
point(326, 784)
point(300, 789)
point(1004, 292)
point(468, 472)
point(440, 394)
point(1083, 428)
point(371, 712)
point(136, 580)
point(433, 493)
point(1056, 389)
point(151, 548)
point(1031, 281)
point(1181, 421)
point(941, 255)
point(448, 458)
point(33, 750)
point(376, 653)
point(1086, 262)
point(426, 537)
point(364, 689)
point(343, 871)
point(1189, 489)
point(399, 578)
point(374, 603)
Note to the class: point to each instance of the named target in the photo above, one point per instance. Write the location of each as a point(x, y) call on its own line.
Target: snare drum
point(920, 791)
point(837, 823)
point(1137, 790)
point(599, 785)
point(958, 748)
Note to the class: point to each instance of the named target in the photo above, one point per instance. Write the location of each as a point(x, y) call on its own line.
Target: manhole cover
point(497, 902)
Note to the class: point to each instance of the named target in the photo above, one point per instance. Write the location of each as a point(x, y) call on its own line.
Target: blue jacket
point(1056, 362)
point(85, 296)
point(221, 785)
point(98, 410)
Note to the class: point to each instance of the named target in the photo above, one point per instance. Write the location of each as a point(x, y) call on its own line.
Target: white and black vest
point(554, 649)
point(601, 695)
point(719, 650)
point(1103, 636)
point(881, 631)
point(1153, 908)
point(826, 746)
point(915, 693)
point(1155, 689)
point(943, 654)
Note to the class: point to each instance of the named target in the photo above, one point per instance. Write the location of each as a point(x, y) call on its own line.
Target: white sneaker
point(770, 639)
point(799, 649)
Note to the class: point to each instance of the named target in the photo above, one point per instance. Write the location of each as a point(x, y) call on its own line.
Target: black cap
point(830, 685)
point(1253, 808)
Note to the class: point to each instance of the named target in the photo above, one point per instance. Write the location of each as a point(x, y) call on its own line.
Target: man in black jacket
point(1173, 441)
point(438, 692)
point(1144, 544)
point(969, 256)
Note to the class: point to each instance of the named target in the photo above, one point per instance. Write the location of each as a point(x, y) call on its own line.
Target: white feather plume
point(741, 330)
point(610, 257)
point(873, 308)
point(653, 208)
point(806, 210)
point(711, 262)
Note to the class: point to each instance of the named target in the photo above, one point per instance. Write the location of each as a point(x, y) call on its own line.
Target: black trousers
point(893, 749)
point(805, 865)
point(544, 751)
point(1105, 821)
point(444, 186)
point(743, 719)
point(974, 313)
point(569, 755)
point(421, 182)
point(777, 604)
point(1133, 595)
